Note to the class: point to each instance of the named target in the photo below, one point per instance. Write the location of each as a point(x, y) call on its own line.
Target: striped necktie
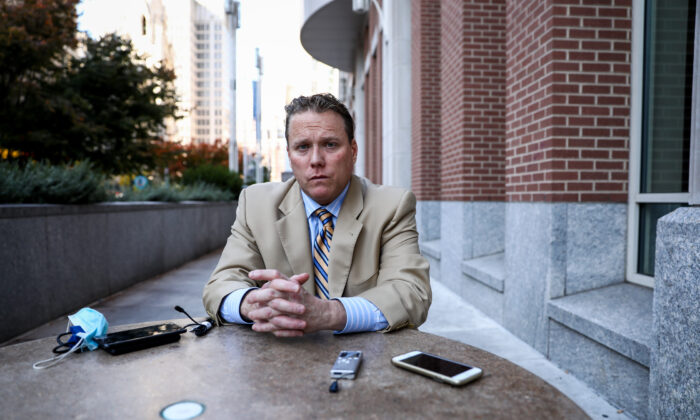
point(322, 252)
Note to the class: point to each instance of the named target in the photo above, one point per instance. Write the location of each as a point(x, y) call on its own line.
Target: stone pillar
point(674, 387)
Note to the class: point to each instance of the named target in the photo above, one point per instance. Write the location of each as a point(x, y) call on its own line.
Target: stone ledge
point(488, 270)
point(618, 316)
point(431, 249)
point(10, 211)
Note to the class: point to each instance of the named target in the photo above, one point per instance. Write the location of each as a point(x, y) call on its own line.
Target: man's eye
point(302, 147)
point(331, 144)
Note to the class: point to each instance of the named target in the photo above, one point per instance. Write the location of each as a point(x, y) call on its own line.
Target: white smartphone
point(437, 368)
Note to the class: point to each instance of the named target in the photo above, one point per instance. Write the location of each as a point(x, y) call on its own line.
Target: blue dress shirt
point(362, 315)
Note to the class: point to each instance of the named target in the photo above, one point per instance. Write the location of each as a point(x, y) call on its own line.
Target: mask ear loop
point(43, 364)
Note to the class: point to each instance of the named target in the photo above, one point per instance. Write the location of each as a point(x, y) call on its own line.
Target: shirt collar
point(333, 207)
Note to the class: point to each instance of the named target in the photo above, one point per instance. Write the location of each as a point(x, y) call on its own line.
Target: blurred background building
point(215, 48)
point(543, 140)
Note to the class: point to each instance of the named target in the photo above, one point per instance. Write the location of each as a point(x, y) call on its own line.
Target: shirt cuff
point(362, 315)
point(230, 309)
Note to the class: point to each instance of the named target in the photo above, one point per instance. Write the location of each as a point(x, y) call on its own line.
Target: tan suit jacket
point(374, 252)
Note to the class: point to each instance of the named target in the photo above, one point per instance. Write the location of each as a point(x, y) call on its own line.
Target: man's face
point(321, 155)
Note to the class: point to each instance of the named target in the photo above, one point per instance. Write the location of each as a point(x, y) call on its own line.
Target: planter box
point(55, 259)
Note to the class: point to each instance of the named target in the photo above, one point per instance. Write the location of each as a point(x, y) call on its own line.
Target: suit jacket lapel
point(345, 235)
point(293, 230)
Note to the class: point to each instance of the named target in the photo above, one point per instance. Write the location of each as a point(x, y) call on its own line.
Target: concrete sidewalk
point(449, 316)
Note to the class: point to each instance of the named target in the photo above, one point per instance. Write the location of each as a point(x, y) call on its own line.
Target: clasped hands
point(282, 306)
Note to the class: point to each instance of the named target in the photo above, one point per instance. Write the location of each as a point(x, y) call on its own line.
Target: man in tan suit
point(325, 250)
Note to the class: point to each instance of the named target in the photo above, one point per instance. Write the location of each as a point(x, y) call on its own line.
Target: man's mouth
point(318, 177)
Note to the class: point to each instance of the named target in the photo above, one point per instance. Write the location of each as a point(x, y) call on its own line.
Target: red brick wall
point(473, 99)
point(373, 105)
point(568, 100)
point(425, 99)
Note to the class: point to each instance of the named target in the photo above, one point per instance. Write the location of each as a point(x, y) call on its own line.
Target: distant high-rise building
point(203, 57)
point(196, 39)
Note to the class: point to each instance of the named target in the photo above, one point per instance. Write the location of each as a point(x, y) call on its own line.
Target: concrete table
point(237, 373)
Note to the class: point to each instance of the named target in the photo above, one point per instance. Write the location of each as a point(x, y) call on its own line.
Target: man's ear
point(353, 145)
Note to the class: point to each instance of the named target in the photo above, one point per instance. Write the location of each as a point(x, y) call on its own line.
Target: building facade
point(544, 140)
point(197, 39)
point(204, 48)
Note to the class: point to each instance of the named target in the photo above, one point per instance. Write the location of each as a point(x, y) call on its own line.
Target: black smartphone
point(140, 338)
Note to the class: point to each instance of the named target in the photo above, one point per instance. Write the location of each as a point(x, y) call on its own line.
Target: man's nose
point(316, 156)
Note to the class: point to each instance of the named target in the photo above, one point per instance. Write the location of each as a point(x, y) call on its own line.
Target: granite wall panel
point(56, 259)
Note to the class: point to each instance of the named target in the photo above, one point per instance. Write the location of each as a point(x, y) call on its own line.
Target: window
point(202, 74)
point(202, 26)
point(202, 64)
point(202, 46)
point(202, 37)
point(202, 55)
point(661, 135)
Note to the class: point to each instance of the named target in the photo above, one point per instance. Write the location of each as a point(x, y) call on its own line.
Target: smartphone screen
point(437, 364)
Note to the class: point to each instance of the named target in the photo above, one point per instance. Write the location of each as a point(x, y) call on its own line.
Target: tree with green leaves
point(123, 102)
point(101, 101)
point(34, 38)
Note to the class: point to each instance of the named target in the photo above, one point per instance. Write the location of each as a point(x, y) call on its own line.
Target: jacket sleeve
point(240, 256)
point(402, 290)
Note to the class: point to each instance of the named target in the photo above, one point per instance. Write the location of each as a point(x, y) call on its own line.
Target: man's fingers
point(290, 307)
point(278, 323)
point(263, 296)
point(283, 322)
point(285, 286)
point(263, 314)
point(266, 275)
point(288, 333)
point(300, 278)
point(266, 327)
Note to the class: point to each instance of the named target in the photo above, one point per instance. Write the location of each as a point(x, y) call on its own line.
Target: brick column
point(568, 101)
point(425, 100)
point(473, 98)
point(425, 118)
point(567, 130)
point(472, 113)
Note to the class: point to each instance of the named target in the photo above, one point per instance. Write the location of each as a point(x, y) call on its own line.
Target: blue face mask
point(83, 327)
point(93, 323)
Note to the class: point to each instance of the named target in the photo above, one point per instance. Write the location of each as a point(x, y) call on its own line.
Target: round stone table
point(237, 373)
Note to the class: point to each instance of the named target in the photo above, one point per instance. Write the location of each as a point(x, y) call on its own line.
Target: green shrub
point(174, 193)
point(216, 175)
point(44, 183)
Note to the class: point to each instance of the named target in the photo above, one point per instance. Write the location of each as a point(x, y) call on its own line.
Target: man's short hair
point(319, 103)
